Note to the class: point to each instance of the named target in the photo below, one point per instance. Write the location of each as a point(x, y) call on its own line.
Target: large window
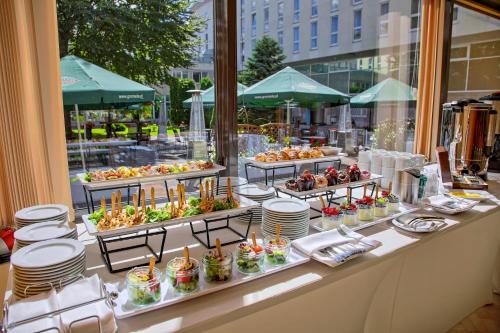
point(281, 14)
point(254, 25)
point(296, 39)
point(415, 14)
point(334, 5)
point(266, 19)
point(314, 35)
point(296, 10)
point(334, 30)
point(357, 25)
point(314, 8)
point(384, 19)
point(280, 38)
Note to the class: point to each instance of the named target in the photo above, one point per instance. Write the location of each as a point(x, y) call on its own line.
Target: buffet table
point(412, 283)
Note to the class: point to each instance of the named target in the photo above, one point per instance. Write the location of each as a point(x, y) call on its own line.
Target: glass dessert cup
point(142, 290)
point(181, 279)
point(393, 206)
point(381, 210)
point(365, 213)
point(216, 269)
point(350, 218)
point(329, 222)
point(277, 253)
point(249, 261)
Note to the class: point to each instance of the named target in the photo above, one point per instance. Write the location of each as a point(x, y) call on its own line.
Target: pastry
point(283, 156)
point(292, 154)
point(260, 157)
point(365, 174)
point(316, 152)
point(292, 185)
point(354, 173)
point(271, 157)
point(304, 154)
point(342, 177)
point(331, 176)
point(320, 181)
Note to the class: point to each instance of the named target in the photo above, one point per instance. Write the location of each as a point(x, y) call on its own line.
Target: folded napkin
point(312, 243)
point(35, 306)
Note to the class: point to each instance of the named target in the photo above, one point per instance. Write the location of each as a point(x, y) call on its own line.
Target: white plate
point(285, 205)
point(42, 231)
point(48, 274)
point(41, 212)
point(47, 253)
point(483, 195)
point(424, 227)
point(255, 191)
point(50, 270)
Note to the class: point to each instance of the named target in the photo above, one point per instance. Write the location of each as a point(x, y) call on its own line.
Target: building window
point(314, 8)
point(384, 20)
point(334, 5)
point(206, 41)
point(357, 25)
point(254, 4)
point(242, 48)
point(254, 25)
point(455, 14)
point(280, 38)
point(266, 19)
point(356, 2)
point(314, 35)
point(254, 43)
point(242, 28)
point(384, 8)
point(296, 10)
point(242, 7)
point(334, 30)
point(266, 2)
point(415, 14)
point(281, 13)
point(296, 36)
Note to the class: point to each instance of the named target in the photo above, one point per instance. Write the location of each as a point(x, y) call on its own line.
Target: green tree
point(266, 59)
point(139, 39)
point(179, 93)
point(205, 83)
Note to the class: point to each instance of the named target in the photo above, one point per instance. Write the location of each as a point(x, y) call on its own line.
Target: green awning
point(388, 91)
point(289, 84)
point(208, 96)
point(93, 87)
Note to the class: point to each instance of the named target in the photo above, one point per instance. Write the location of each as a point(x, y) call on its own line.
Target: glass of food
point(217, 268)
point(381, 208)
point(349, 214)
point(331, 217)
point(392, 202)
point(249, 258)
point(183, 275)
point(277, 251)
point(142, 288)
point(365, 208)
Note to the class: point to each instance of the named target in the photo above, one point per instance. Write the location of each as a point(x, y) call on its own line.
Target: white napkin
point(82, 291)
point(35, 306)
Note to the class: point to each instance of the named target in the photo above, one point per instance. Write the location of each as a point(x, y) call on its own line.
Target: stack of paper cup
point(364, 160)
point(376, 164)
point(388, 163)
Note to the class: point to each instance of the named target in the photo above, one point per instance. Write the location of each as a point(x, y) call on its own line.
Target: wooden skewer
point(212, 188)
point(172, 204)
point(364, 190)
point(183, 196)
point(323, 204)
point(376, 191)
point(390, 187)
point(136, 205)
point(103, 207)
point(143, 201)
point(254, 239)
point(219, 249)
point(278, 227)
point(152, 263)
point(113, 204)
point(153, 202)
point(229, 188)
point(348, 195)
point(207, 190)
point(119, 201)
point(179, 196)
point(201, 193)
point(186, 257)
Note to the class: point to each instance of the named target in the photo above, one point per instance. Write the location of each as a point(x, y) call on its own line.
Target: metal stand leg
point(246, 171)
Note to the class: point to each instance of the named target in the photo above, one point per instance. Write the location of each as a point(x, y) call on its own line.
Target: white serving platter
point(270, 165)
point(404, 208)
point(150, 179)
point(245, 205)
point(124, 309)
point(282, 187)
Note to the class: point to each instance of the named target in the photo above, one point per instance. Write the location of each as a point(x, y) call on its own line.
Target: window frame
point(357, 27)
point(336, 32)
point(296, 42)
point(296, 11)
point(314, 38)
point(253, 25)
point(266, 19)
point(314, 8)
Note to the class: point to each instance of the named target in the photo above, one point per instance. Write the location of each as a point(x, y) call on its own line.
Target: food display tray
point(404, 208)
point(150, 179)
point(282, 188)
point(124, 309)
point(245, 205)
point(270, 165)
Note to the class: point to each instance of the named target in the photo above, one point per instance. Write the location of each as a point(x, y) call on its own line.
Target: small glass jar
point(381, 210)
point(277, 254)
point(365, 212)
point(350, 217)
point(216, 269)
point(142, 290)
point(329, 222)
point(183, 280)
point(249, 262)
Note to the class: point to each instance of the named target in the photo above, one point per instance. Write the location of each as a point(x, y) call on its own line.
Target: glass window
point(334, 5)
point(254, 5)
point(296, 10)
point(357, 25)
point(280, 38)
point(296, 36)
point(384, 8)
point(458, 52)
point(415, 14)
point(334, 30)
point(455, 14)
point(281, 13)
point(314, 8)
point(314, 35)
point(254, 25)
point(384, 20)
point(242, 28)
point(266, 19)
point(356, 2)
point(254, 43)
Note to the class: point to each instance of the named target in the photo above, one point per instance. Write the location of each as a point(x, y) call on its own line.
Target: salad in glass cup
point(217, 267)
point(277, 249)
point(183, 273)
point(250, 257)
point(143, 287)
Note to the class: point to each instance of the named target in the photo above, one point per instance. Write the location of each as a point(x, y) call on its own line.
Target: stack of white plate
point(291, 214)
point(235, 182)
point(41, 213)
point(43, 265)
point(44, 231)
point(258, 194)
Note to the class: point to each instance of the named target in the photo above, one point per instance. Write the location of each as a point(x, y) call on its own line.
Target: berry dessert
point(354, 173)
point(331, 217)
point(349, 214)
point(217, 268)
point(306, 181)
point(365, 208)
point(331, 176)
point(292, 184)
point(381, 209)
point(277, 250)
point(143, 288)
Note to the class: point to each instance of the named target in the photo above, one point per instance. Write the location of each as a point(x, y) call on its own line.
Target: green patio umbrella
point(208, 96)
point(290, 85)
point(388, 91)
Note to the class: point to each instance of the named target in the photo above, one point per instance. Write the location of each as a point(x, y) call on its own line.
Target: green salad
point(96, 216)
point(153, 216)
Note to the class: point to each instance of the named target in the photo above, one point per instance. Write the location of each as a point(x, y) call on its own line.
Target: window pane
point(296, 37)
point(335, 5)
point(384, 8)
point(458, 52)
point(314, 7)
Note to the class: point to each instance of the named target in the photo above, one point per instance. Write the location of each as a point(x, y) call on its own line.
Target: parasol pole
point(80, 136)
point(288, 114)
